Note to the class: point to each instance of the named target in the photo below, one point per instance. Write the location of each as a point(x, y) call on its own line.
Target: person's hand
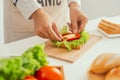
point(78, 19)
point(44, 26)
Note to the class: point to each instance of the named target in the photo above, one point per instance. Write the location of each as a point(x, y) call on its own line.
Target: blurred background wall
point(98, 8)
point(1, 22)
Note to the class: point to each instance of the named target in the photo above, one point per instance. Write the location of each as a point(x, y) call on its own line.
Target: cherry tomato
point(30, 78)
point(71, 36)
point(49, 73)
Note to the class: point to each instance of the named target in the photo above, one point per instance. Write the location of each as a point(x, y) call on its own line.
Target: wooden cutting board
point(71, 56)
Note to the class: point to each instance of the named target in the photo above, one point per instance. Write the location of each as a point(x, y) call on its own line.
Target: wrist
point(37, 13)
point(73, 5)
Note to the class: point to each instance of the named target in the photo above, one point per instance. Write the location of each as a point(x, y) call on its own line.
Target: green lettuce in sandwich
point(71, 40)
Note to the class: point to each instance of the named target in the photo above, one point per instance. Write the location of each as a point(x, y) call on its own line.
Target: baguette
point(110, 23)
point(105, 27)
point(109, 27)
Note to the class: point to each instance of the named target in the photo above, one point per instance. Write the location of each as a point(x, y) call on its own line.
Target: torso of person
point(16, 27)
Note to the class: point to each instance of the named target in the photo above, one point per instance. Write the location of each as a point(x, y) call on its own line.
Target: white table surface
point(78, 69)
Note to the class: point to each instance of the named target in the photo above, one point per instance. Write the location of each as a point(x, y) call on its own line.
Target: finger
point(82, 26)
point(70, 26)
point(46, 34)
point(42, 35)
point(37, 32)
point(74, 27)
point(56, 30)
point(49, 36)
point(53, 35)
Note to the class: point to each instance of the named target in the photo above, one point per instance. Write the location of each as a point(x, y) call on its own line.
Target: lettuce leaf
point(16, 68)
point(64, 29)
point(72, 44)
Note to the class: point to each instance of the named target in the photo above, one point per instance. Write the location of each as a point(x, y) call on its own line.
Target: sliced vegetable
point(30, 78)
point(49, 73)
point(71, 36)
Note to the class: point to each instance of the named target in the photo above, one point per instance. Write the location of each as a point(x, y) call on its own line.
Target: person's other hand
point(44, 26)
point(78, 19)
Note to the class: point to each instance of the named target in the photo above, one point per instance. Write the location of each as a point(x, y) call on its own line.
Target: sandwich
point(71, 40)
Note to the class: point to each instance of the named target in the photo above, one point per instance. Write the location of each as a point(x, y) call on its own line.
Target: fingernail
point(74, 31)
point(61, 36)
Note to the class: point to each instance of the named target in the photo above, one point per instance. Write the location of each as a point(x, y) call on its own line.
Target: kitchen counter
point(78, 69)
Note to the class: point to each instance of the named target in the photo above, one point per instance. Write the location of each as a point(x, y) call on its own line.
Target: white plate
point(108, 35)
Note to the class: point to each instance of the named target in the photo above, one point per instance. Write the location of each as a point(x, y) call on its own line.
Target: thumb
point(70, 26)
point(56, 30)
point(74, 27)
point(81, 28)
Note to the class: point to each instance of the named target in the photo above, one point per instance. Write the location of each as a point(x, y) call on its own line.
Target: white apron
point(16, 27)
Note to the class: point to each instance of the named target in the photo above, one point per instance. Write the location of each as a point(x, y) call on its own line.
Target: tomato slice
point(49, 73)
point(30, 78)
point(71, 36)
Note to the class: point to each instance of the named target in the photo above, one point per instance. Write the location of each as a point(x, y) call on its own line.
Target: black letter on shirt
point(58, 2)
point(45, 2)
point(53, 2)
point(49, 2)
point(41, 2)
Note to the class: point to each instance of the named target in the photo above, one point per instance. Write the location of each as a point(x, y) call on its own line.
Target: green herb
point(16, 68)
point(64, 29)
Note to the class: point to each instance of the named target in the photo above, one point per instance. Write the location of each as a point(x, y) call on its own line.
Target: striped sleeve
point(77, 1)
point(27, 7)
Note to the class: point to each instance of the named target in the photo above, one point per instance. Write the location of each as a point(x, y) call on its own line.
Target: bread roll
point(113, 74)
point(93, 76)
point(104, 62)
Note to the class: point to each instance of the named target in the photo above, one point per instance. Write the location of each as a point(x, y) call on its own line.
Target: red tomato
point(71, 36)
point(30, 78)
point(49, 73)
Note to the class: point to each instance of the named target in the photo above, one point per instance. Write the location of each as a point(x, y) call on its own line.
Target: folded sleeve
point(27, 7)
point(77, 1)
